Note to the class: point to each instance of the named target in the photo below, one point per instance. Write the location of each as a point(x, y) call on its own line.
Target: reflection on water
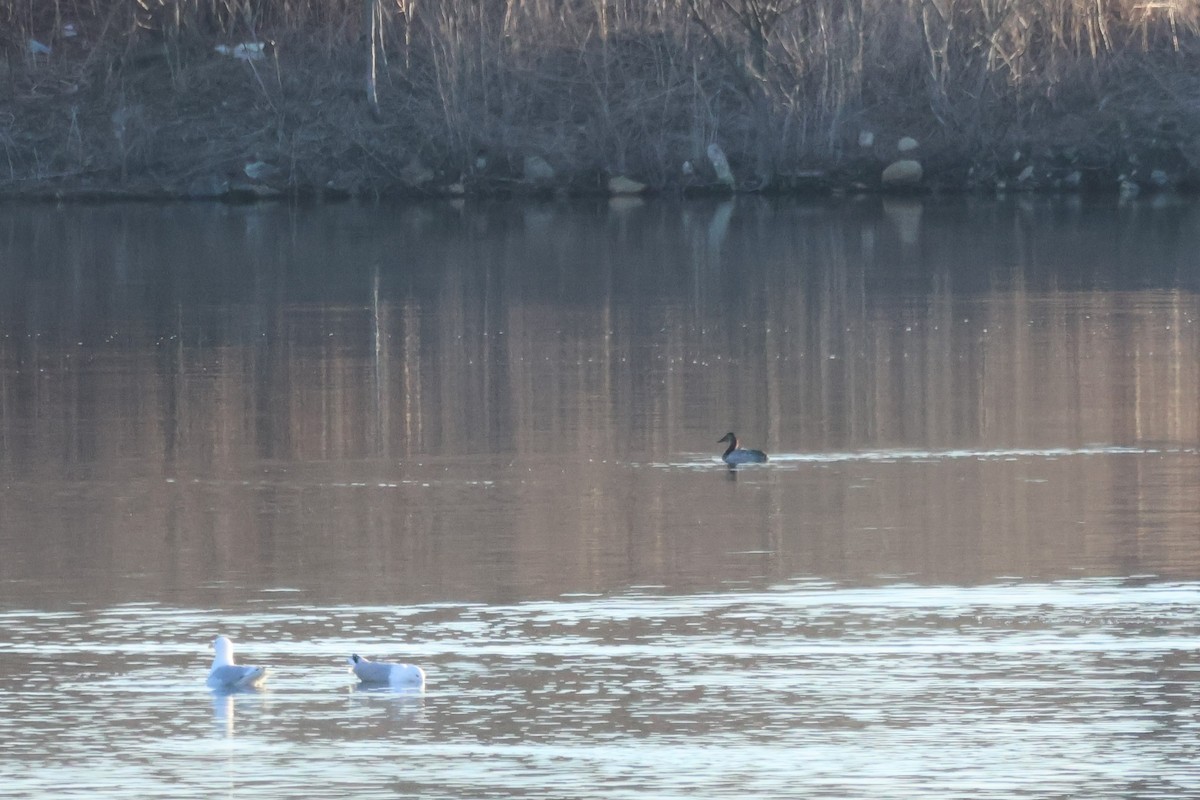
point(481, 440)
point(383, 403)
point(223, 712)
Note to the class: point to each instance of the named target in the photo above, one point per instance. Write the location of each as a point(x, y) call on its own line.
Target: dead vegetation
point(365, 96)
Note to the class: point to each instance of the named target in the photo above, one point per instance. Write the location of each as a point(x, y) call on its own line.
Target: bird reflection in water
point(223, 708)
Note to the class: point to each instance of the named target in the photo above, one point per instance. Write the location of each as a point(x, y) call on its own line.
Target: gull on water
point(227, 675)
point(398, 676)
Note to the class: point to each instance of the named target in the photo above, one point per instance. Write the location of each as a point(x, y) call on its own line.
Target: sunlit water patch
point(1085, 688)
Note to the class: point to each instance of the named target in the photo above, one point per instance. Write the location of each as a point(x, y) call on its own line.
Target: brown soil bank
point(248, 98)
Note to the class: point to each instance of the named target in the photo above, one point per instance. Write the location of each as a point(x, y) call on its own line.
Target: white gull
point(398, 676)
point(227, 675)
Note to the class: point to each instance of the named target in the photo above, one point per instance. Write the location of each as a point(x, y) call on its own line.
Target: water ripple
point(805, 689)
point(889, 456)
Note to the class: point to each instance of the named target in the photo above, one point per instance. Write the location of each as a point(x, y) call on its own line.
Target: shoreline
point(864, 180)
point(664, 99)
point(926, 173)
point(258, 194)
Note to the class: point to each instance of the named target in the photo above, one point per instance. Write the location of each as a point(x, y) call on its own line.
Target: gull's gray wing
point(372, 671)
point(235, 676)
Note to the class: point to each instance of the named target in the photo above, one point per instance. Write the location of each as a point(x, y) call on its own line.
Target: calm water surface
point(483, 439)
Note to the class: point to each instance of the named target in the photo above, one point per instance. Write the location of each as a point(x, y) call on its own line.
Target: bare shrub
point(592, 86)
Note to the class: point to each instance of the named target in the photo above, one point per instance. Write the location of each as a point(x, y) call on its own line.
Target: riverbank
point(597, 99)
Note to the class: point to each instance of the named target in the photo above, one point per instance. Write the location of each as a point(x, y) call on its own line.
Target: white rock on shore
point(619, 184)
point(720, 164)
point(538, 170)
point(903, 173)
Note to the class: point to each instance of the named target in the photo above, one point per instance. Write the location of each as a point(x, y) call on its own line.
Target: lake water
point(482, 439)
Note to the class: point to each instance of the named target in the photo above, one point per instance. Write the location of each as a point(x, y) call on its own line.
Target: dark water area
point(482, 438)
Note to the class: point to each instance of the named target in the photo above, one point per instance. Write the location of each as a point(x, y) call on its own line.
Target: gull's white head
point(224, 650)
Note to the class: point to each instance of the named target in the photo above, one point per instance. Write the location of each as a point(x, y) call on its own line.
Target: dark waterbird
point(736, 455)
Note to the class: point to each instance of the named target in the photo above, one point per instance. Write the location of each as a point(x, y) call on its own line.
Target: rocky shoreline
point(902, 168)
point(165, 113)
point(907, 176)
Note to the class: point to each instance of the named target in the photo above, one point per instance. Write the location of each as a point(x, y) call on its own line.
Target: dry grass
point(596, 87)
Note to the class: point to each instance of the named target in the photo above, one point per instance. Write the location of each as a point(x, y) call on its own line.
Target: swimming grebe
point(735, 455)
